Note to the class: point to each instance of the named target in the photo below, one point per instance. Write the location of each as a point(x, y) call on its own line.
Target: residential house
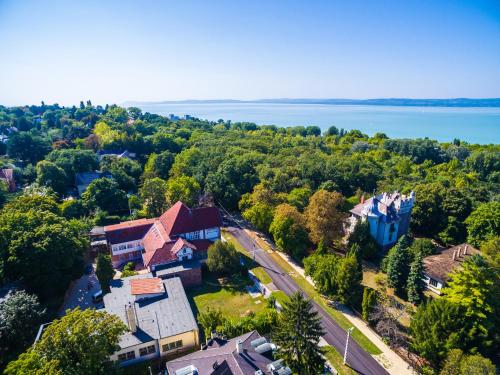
point(7, 176)
point(83, 179)
point(248, 354)
point(388, 215)
point(172, 245)
point(438, 267)
point(158, 315)
point(118, 154)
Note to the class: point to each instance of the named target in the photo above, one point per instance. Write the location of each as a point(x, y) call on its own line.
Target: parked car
point(97, 297)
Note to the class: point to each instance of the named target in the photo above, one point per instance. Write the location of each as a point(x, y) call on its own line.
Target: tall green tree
point(436, 328)
point(20, 317)
point(49, 174)
point(297, 336)
point(483, 223)
point(260, 215)
point(223, 257)
point(104, 271)
point(476, 288)
point(104, 193)
point(458, 363)
point(183, 188)
point(348, 279)
point(398, 265)
point(288, 230)
point(415, 284)
point(27, 147)
point(152, 193)
point(78, 343)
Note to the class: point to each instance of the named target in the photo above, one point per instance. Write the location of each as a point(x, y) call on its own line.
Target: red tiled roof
point(181, 243)
point(128, 231)
point(179, 219)
point(166, 253)
point(146, 286)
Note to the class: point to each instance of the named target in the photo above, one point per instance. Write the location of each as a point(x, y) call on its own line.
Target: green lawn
point(262, 275)
point(281, 297)
point(342, 321)
point(337, 361)
point(232, 299)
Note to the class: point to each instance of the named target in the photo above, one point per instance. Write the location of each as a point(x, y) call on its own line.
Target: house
point(388, 215)
point(248, 354)
point(7, 176)
point(174, 243)
point(438, 267)
point(83, 179)
point(158, 315)
point(118, 154)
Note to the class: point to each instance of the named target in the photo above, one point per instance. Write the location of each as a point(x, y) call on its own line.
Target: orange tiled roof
point(146, 286)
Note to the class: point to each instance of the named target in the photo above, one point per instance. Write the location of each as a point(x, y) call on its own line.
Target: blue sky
point(112, 51)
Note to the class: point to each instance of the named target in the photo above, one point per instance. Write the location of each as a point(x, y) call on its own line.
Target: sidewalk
point(392, 362)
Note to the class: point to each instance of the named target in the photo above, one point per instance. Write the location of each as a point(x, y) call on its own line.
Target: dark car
point(88, 269)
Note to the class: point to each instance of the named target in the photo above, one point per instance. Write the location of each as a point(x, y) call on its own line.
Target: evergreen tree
point(369, 302)
point(104, 271)
point(297, 335)
point(398, 265)
point(415, 285)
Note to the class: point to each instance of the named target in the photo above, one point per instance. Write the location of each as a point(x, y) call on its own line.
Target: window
point(433, 282)
point(126, 356)
point(196, 235)
point(172, 345)
point(392, 228)
point(148, 350)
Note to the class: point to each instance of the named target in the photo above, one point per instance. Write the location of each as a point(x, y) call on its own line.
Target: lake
point(474, 125)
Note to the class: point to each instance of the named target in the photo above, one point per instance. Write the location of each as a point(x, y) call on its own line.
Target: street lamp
point(347, 343)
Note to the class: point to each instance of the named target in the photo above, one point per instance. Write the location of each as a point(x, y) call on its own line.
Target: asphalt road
point(357, 358)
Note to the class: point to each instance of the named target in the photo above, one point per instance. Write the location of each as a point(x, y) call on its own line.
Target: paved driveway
point(78, 293)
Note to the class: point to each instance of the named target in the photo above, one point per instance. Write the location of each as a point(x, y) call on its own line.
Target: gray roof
point(177, 268)
point(225, 354)
point(85, 178)
point(158, 317)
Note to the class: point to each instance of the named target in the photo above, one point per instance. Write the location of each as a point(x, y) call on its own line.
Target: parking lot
point(80, 293)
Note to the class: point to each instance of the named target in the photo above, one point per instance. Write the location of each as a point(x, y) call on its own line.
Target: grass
point(281, 297)
point(231, 299)
point(337, 361)
point(262, 275)
point(342, 321)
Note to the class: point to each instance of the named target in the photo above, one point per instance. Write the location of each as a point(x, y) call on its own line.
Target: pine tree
point(415, 285)
point(398, 265)
point(369, 301)
point(297, 336)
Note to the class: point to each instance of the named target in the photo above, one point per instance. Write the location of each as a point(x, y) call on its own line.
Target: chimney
point(458, 252)
point(131, 318)
point(239, 346)
point(362, 198)
point(454, 254)
point(465, 249)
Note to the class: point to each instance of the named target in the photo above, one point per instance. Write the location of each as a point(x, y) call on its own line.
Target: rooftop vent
point(284, 371)
point(239, 346)
point(188, 370)
point(257, 342)
point(264, 348)
point(275, 366)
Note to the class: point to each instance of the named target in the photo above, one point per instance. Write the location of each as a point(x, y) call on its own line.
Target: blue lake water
point(474, 125)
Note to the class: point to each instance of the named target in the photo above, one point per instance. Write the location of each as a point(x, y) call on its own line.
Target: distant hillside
point(455, 102)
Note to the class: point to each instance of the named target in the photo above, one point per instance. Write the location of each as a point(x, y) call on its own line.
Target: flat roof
point(157, 317)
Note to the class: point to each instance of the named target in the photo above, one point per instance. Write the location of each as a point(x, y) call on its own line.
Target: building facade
point(388, 214)
point(158, 315)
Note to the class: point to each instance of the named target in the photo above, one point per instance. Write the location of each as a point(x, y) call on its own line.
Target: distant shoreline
point(395, 102)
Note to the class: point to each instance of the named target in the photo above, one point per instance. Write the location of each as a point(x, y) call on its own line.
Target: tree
point(104, 271)
point(299, 197)
point(49, 174)
point(297, 336)
point(183, 188)
point(323, 270)
point(491, 249)
point(324, 218)
point(260, 215)
point(27, 147)
point(437, 327)
point(422, 246)
point(41, 249)
point(78, 343)
point(209, 320)
point(414, 284)
point(288, 230)
point(105, 194)
point(458, 363)
point(158, 165)
point(398, 265)
point(348, 279)
point(152, 193)
point(125, 172)
point(73, 161)
point(369, 302)
point(483, 223)
point(361, 237)
point(476, 287)
point(223, 257)
point(20, 316)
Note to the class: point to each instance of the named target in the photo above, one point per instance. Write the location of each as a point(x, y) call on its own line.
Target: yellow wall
point(190, 340)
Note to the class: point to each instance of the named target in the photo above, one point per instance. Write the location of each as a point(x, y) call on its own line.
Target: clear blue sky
point(112, 51)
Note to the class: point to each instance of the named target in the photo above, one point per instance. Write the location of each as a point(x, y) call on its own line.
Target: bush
point(223, 258)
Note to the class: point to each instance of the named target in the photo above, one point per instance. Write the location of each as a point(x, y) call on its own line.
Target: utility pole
point(347, 343)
